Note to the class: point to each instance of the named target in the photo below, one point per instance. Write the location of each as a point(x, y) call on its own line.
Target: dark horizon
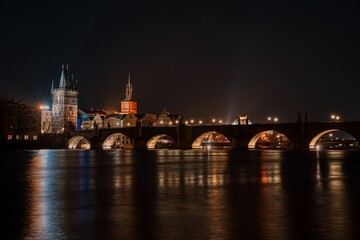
point(205, 60)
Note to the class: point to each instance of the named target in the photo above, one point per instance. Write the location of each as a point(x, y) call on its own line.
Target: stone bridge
point(302, 135)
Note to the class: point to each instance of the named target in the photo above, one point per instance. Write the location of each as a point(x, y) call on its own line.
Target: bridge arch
point(161, 139)
point(213, 139)
point(275, 139)
point(79, 142)
point(314, 140)
point(117, 140)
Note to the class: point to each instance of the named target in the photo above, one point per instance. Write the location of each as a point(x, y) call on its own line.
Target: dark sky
point(203, 60)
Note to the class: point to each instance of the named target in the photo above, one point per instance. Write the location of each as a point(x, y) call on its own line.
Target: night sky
point(203, 59)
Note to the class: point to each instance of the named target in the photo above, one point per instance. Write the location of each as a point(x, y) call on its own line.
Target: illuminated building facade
point(128, 105)
point(64, 103)
point(242, 120)
point(19, 121)
point(46, 120)
point(165, 119)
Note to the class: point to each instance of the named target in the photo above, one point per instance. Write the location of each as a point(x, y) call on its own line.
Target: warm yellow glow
point(44, 107)
point(335, 117)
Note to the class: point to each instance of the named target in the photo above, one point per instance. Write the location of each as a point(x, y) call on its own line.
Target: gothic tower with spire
point(64, 102)
point(128, 105)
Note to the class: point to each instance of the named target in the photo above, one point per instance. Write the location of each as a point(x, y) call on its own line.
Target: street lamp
point(273, 119)
point(335, 117)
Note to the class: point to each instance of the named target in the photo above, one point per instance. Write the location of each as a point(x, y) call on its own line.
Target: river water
point(180, 194)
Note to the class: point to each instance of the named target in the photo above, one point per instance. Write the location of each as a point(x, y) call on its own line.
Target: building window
point(26, 137)
point(35, 137)
point(9, 137)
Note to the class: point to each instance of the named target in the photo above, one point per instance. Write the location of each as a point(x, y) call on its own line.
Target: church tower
point(64, 102)
point(128, 105)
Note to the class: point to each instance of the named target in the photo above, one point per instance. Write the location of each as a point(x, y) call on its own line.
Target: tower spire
point(62, 83)
point(128, 94)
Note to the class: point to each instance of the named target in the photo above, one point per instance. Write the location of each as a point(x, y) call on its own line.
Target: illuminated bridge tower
point(64, 102)
point(128, 105)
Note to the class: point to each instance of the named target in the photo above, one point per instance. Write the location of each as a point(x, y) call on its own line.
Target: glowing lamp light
point(335, 117)
point(44, 107)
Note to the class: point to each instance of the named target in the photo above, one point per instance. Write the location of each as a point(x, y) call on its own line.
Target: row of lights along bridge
point(270, 119)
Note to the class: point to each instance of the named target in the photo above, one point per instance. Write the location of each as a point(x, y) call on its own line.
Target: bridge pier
point(139, 143)
point(184, 139)
point(239, 143)
point(95, 143)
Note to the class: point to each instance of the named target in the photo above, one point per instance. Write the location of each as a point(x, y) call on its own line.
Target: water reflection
point(179, 194)
point(44, 207)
